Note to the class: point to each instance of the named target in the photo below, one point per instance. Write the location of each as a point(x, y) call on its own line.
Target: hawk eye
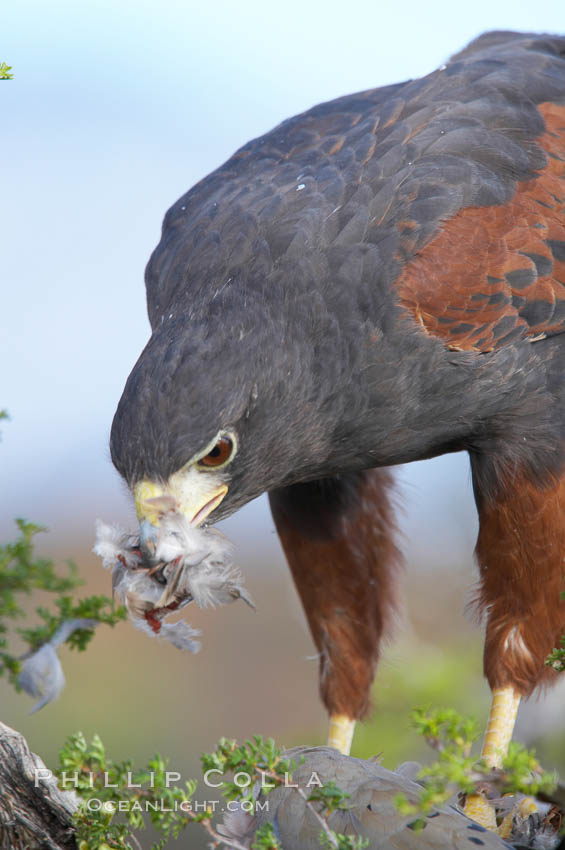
point(219, 455)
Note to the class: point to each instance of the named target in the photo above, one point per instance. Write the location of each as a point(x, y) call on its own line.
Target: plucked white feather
point(41, 673)
point(42, 676)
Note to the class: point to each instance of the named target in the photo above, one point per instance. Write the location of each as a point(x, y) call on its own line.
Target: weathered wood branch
point(34, 813)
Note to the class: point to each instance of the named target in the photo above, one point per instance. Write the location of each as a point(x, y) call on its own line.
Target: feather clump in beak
point(189, 564)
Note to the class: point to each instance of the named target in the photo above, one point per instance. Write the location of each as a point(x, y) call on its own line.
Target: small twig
point(435, 743)
point(321, 820)
point(132, 836)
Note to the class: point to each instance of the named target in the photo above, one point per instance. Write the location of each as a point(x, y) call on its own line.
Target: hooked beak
point(195, 500)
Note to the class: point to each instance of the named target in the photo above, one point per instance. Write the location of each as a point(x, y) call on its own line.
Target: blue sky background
point(115, 110)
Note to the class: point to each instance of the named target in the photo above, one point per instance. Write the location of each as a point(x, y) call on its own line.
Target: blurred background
point(117, 107)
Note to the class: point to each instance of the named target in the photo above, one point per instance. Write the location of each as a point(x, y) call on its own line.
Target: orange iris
point(219, 454)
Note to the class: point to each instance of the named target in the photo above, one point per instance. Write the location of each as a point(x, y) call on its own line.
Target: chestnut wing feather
point(495, 274)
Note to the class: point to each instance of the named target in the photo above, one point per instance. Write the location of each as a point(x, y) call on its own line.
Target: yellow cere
point(143, 492)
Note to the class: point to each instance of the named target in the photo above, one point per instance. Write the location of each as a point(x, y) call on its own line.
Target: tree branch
point(34, 814)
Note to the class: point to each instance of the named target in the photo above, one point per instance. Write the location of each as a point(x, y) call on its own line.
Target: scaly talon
point(505, 828)
point(478, 808)
point(526, 807)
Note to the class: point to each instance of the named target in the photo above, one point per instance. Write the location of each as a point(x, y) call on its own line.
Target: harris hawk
point(378, 280)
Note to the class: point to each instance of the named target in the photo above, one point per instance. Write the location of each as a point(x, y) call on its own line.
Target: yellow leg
point(502, 718)
point(500, 727)
point(340, 733)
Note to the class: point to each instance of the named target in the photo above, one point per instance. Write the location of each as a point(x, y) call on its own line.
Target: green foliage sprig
point(108, 788)
point(556, 658)
point(21, 573)
point(5, 72)
point(457, 770)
